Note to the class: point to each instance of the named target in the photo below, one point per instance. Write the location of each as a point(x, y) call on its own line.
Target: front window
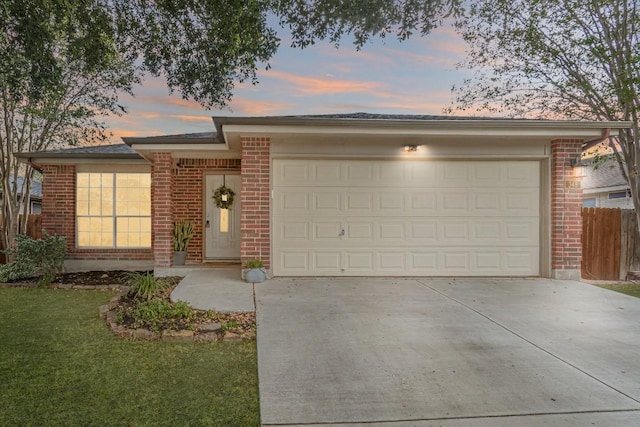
point(113, 210)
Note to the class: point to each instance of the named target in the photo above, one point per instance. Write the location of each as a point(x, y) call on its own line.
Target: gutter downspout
point(606, 134)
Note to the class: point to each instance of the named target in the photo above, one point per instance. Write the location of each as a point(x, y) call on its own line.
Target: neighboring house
point(604, 186)
point(334, 195)
point(35, 191)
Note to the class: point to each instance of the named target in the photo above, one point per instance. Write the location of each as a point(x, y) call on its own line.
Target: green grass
point(60, 365)
point(633, 290)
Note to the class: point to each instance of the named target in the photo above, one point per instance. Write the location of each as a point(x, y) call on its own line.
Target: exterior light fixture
point(579, 166)
point(411, 148)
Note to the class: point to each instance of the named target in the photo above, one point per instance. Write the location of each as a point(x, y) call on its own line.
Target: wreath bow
point(223, 197)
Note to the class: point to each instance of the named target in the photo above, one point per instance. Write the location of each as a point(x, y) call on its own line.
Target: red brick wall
point(255, 227)
point(188, 193)
point(161, 209)
point(566, 209)
point(59, 201)
point(59, 216)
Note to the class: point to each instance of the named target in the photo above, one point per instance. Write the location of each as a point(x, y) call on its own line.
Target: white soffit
point(187, 151)
point(307, 131)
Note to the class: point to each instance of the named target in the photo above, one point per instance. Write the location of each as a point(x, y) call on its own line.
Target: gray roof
point(184, 138)
point(113, 151)
point(35, 189)
point(197, 135)
point(373, 116)
point(607, 174)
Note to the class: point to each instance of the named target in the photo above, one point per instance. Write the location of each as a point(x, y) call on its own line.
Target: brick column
point(566, 210)
point(161, 209)
point(255, 227)
point(59, 202)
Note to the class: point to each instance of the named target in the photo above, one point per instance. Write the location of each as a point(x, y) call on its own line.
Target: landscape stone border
point(205, 332)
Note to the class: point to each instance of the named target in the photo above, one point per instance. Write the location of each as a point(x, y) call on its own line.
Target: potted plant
point(182, 234)
point(254, 271)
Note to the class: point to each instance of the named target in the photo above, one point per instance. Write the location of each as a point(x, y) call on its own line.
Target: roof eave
point(232, 127)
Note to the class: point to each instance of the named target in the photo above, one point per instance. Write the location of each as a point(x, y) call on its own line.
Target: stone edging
point(204, 333)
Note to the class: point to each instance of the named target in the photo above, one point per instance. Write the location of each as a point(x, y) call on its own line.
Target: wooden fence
point(610, 243)
point(34, 230)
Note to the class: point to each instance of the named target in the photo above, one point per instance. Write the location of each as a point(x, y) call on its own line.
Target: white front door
point(222, 226)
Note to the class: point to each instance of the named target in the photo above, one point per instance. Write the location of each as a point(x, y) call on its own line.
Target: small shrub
point(226, 326)
point(145, 286)
point(253, 263)
point(43, 258)
point(155, 314)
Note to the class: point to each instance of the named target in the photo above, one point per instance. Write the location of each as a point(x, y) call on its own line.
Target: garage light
point(411, 148)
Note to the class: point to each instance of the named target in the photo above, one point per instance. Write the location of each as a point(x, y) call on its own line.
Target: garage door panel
point(454, 203)
point(359, 231)
point(424, 261)
point(326, 202)
point(292, 171)
point(293, 262)
point(392, 261)
point(329, 231)
point(327, 260)
point(328, 172)
point(294, 231)
point(387, 202)
point(417, 218)
point(293, 202)
point(423, 202)
point(361, 261)
point(522, 202)
point(389, 231)
point(358, 202)
point(359, 173)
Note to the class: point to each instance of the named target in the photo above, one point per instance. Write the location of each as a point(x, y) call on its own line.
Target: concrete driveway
point(444, 352)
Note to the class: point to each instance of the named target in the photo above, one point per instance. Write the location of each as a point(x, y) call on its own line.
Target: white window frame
point(114, 216)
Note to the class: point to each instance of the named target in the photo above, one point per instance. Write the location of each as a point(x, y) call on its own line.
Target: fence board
point(601, 243)
point(629, 244)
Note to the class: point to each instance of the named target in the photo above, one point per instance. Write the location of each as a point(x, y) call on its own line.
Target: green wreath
point(223, 197)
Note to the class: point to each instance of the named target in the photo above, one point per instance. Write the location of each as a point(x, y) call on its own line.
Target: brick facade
point(566, 210)
point(188, 192)
point(58, 216)
point(162, 209)
point(178, 191)
point(255, 226)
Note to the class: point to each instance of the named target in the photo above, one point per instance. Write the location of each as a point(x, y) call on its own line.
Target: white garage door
point(405, 218)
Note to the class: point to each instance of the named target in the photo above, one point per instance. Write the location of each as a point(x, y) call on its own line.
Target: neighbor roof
point(604, 175)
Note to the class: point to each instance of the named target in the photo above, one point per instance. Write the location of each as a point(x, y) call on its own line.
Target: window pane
point(134, 232)
point(95, 232)
point(224, 220)
point(82, 180)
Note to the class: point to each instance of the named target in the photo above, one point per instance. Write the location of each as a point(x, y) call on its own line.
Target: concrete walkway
point(443, 352)
point(218, 288)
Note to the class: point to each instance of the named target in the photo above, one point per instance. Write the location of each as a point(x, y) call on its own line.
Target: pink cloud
point(323, 86)
point(258, 108)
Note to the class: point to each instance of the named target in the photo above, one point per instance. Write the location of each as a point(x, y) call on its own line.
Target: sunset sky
point(386, 76)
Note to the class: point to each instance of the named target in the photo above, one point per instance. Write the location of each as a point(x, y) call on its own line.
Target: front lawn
point(629, 289)
point(60, 365)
